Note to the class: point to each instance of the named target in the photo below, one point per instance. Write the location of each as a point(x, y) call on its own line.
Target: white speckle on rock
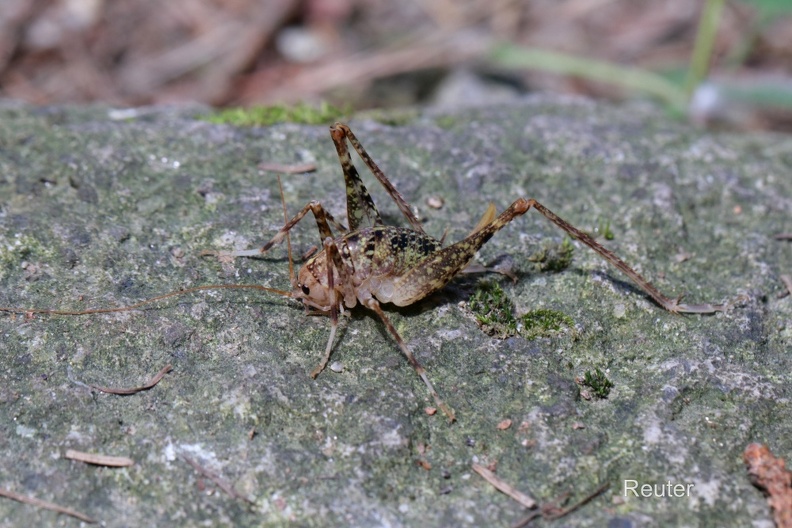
point(25, 431)
point(337, 366)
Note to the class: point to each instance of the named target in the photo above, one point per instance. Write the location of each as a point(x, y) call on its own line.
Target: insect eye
point(306, 290)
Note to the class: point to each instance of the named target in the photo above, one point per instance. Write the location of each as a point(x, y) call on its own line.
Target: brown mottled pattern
point(388, 250)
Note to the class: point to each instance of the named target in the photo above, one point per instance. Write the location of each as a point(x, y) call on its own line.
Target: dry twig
point(566, 511)
point(550, 511)
point(222, 483)
point(502, 486)
point(287, 169)
point(98, 460)
point(46, 505)
point(125, 392)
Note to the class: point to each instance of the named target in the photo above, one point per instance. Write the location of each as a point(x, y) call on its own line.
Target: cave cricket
point(371, 263)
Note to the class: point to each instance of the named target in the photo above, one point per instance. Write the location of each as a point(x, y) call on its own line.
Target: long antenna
point(147, 301)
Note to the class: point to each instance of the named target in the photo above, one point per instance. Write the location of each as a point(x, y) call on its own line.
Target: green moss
point(604, 229)
point(392, 116)
point(599, 384)
point(493, 310)
point(22, 247)
point(268, 115)
point(538, 323)
point(446, 122)
point(554, 257)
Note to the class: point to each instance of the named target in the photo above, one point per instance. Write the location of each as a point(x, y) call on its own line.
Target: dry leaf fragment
point(99, 460)
point(787, 280)
point(769, 474)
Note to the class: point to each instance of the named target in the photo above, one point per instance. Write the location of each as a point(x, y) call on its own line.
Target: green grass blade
point(634, 79)
point(702, 50)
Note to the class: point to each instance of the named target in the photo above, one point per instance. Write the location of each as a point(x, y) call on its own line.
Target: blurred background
point(718, 62)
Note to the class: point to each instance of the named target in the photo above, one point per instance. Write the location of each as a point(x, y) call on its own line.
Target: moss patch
point(494, 312)
point(604, 229)
point(538, 323)
point(269, 115)
point(599, 384)
point(554, 257)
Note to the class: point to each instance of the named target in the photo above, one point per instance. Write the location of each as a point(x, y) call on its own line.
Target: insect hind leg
point(360, 207)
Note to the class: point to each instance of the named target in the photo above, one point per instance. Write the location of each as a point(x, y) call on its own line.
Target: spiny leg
point(361, 211)
point(672, 305)
point(372, 304)
point(436, 271)
point(356, 192)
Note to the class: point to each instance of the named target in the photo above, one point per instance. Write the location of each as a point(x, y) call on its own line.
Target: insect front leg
point(333, 256)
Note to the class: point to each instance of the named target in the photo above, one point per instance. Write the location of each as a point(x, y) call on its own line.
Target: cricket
point(370, 263)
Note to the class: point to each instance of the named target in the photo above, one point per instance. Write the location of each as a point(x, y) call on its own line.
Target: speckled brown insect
point(371, 263)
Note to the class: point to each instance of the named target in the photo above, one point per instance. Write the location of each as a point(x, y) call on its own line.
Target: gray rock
point(96, 212)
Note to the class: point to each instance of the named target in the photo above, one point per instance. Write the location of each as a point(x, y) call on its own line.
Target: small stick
point(551, 512)
point(597, 492)
point(222, 483)
point(287, 169)
point(99, 460)
point(126, 392)
point(783, 236)
point(503, 487)
point(46, 505)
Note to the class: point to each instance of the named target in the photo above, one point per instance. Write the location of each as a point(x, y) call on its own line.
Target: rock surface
point(102, 212)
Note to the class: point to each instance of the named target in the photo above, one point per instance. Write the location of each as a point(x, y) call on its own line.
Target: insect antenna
point(145, 302)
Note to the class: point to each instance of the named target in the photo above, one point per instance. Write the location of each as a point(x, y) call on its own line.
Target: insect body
point(371, 263)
